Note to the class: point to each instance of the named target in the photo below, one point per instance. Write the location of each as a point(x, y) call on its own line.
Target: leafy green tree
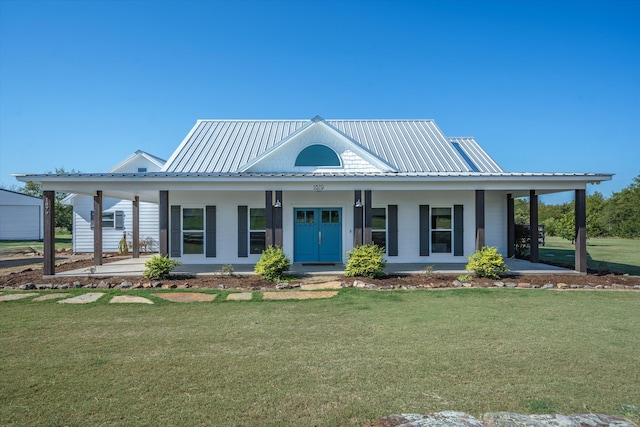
point(566, 227)
point(64, 213)
point(624, 211)
point(597, 215)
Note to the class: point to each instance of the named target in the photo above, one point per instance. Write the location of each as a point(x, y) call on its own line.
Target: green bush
point(159, 267)
point(365, 260)
point(487, 262)
point(272, 265)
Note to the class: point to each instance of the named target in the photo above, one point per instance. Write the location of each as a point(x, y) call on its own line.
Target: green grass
point(339, 362)
point(63, 241)
point(603, 254)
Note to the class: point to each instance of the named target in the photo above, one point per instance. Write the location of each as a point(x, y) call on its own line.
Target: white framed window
point(379, 227)
point(441, 230)
point(257, 230)
point(193, 231)
point(111, 219)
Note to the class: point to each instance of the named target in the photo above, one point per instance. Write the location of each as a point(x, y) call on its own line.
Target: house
point(117, 214)
point(318, 187)
point(21, 216)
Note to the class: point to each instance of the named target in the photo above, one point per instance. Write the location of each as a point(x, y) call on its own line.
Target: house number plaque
point(318, 187)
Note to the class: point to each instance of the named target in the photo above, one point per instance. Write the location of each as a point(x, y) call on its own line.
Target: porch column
point(136, 227)
point(97, 228)
point(277, 220)
point(49, 201)
point(367, 237)
point(163, 213)
point(357, 218)
point(479, 219)
point(533, 225)
point(268, 217)
point(511, 226)
point(581, 231)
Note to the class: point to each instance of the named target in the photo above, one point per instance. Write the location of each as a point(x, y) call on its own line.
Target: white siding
point(83, 233)
point(408, 219)
point(20, 216)
point(495, 220)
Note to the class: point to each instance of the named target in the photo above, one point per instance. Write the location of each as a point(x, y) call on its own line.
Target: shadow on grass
point(566, 258)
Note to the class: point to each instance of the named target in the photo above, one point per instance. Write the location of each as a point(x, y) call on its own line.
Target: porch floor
point(135, 267)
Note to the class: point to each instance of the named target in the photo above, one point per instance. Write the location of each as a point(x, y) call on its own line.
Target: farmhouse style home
point(318, 188)
point(117, 214)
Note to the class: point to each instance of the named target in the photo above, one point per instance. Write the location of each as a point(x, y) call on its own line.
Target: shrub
point(465, 278)
point(365, 260)
point(227, 270)
point(159, 267)
point(487, 262)
point(272, 265)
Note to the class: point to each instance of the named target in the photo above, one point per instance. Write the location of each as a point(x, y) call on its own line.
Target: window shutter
point(458, 231)
point(424, 230)
point(175, 250)
point(210, 230)
point(119, 220)
point(92, 220)
point(392, 231)
point(243, 232)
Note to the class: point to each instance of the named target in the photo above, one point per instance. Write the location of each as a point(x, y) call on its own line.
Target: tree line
point(616, 216)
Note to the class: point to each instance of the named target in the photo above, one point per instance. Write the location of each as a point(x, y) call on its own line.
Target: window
point(379, 227)
point(257, 230)
point(142, 169)
point(192, 231)
point(441, 230)
point(317, 155)
point(111, 219)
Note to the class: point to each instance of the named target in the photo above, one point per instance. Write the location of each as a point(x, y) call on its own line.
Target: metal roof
point(225, 146)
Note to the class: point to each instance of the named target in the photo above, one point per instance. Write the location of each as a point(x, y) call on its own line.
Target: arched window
point(317, 155)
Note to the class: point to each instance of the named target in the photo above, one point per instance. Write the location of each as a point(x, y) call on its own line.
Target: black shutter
point(92, 220)
point(243, 232)
point(119, 220)
point(424, 230)
point(210, 230)
point(176, 250)
point(458, 231)
point(392, 232)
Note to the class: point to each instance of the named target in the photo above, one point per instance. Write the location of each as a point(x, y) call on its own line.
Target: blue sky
point(544, 86)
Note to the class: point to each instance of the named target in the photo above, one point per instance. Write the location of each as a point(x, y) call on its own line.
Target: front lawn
point(63, 241)
point(344, 361)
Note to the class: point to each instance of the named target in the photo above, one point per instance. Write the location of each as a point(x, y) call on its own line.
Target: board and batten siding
point(83, 233)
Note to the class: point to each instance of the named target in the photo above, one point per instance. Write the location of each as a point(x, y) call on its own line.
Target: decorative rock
point(44, 286)
point(156, 284)
point(127, 299)
point(13, 297)
point(27, 287)
point(83, 299)
point(77, 285)
point(126, 285)
point(510, 285)
point(607, 287)
point(147, 285)
point(549, 286)
point(184, 286)
point(359, 284)
point(103, 285)
point(457, 283)
point(63, 286)
point(370, 286)
point(636, 287)
point(618, 286)
point(588, 287)
point(524, 285)
point(574, 286)
point(222, 286)
point(137, 285)
point(387, 287)
point(499, 284)
point(562, 285)
point(535, 286)
point(599, 287)
point(468, 284)
point(284, 285)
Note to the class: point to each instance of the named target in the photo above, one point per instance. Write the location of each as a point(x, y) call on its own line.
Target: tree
point(624, 211)
point(64, 213)
point(596, 216)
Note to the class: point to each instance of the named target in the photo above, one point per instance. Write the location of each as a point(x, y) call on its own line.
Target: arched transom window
point(317, 155)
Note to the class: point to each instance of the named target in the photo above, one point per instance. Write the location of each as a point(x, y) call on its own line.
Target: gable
point(137, 161)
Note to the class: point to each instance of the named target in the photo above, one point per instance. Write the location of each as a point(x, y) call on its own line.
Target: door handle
point(319, 237)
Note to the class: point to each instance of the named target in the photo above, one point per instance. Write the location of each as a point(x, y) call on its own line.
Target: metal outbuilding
point(20, 216)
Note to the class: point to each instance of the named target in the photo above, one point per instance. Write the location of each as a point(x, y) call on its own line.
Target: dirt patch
point(33, 274)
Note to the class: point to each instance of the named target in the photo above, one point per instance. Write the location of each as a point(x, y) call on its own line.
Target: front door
point(317, 234)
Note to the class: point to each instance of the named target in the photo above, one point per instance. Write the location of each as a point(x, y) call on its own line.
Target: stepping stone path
point(298, 295)
point(50, 296)
point(13, 297)
point(128, 299)
point(319, 286)
point(240, 296)
point(83, 299)
point(186, 296)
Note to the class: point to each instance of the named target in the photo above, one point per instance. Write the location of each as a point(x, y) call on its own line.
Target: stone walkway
point(309, 292)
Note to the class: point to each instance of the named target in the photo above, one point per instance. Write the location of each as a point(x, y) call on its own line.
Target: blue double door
point(317, 234)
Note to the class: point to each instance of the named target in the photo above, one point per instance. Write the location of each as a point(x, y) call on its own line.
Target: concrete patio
point(135, 267)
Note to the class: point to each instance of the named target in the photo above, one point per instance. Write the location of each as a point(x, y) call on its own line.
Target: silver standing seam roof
point(410, 146)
